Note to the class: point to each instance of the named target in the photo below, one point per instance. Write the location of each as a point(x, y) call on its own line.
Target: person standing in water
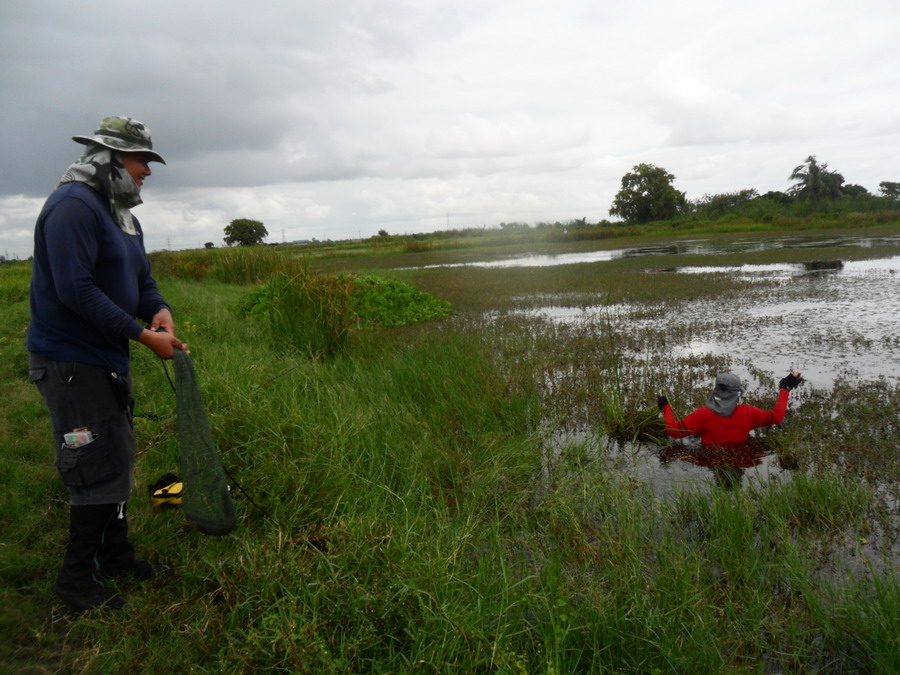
point(724, 419)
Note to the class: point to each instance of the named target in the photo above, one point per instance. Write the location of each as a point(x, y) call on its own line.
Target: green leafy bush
point(379, 301)
point(317, 313)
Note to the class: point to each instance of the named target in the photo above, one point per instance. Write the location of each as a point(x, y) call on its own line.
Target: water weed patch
point(386, 302)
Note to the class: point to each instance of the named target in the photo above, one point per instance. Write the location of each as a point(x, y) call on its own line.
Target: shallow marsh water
point(683, 465)
point(692, 247)
point(831, 319)
point(842, 319)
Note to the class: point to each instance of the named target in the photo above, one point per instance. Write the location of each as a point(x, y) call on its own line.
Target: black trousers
point(81, 396)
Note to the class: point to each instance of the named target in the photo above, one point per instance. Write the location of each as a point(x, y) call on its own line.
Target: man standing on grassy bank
point(723, 420)
point(90, 281)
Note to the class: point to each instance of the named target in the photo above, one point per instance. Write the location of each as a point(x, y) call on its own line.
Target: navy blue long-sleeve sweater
point(89, 281)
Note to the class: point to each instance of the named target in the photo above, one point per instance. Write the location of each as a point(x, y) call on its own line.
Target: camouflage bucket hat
point(123, 134)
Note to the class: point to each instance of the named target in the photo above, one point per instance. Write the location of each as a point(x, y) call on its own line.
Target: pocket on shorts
point(88, 464)
point(36, 374)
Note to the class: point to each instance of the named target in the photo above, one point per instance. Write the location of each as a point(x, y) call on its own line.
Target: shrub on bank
point(317, 313)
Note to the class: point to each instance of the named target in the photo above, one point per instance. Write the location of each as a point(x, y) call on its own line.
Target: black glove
point(789, 382)
point(662, 402)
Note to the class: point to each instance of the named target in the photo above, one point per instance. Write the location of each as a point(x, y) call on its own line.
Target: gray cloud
point(337, 119)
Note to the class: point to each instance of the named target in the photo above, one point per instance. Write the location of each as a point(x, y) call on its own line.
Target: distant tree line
point(648, 194)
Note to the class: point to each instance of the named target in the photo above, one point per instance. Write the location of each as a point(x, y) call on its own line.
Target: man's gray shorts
point(80, 396)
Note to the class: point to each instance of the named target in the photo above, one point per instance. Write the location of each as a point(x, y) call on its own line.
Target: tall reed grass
point(238, 265)
point(311, 313)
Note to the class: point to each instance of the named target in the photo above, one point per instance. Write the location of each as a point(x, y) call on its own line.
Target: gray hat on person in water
point(726, 394)
point(123, 134)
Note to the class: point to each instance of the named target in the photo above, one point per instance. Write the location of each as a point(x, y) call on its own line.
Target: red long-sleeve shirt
point(714, 429)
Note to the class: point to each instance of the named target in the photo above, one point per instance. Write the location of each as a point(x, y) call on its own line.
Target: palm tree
point(816, 182)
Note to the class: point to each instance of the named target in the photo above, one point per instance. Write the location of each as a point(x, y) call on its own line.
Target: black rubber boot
point(116, 555)
point(78, 582)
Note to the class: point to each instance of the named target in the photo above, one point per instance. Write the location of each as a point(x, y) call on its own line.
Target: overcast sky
point(336, 119)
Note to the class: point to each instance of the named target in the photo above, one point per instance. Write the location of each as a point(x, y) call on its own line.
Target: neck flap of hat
point(726, 395)
point(103, 170)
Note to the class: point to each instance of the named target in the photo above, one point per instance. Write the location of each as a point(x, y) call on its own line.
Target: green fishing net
point(207, 500)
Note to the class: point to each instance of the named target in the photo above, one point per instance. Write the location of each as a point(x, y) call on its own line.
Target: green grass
point(14, 280)
point(407, 514)
point(317, 314)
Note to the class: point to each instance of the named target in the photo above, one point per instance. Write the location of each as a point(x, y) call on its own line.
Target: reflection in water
point(823, 265)
point(728, 462)
point(789, 270)
point(681, 466)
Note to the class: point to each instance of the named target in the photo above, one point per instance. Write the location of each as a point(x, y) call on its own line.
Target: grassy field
point(400, 508)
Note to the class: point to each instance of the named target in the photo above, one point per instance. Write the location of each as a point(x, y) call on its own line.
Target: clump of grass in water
point(628, 424)
point(852, 428)
point(621, 421)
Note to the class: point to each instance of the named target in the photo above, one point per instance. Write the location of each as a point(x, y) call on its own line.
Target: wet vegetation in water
point(470, 495)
